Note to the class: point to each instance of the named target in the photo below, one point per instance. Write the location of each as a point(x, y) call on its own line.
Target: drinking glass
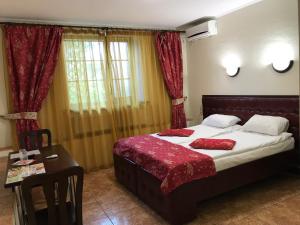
point(24, 156)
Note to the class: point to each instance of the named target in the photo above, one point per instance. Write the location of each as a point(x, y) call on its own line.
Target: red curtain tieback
point(21, 116)
point(178, 101)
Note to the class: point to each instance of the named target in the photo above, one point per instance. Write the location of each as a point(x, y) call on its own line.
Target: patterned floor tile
point(275, 201)
point(136, 216)
point(93, 213)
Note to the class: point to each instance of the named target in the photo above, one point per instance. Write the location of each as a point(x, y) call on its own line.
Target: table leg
point(15, 212)
point(19, 207)
point(71, 190)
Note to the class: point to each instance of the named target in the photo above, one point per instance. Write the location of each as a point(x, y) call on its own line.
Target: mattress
point(249, 147)
point(226, 162)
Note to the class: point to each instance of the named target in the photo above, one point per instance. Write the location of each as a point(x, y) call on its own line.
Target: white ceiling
point(127, 13)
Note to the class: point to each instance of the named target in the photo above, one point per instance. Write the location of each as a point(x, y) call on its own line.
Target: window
point(90, 81)
point(120, 67)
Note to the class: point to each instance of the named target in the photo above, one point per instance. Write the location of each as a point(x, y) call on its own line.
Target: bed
point(180, 205)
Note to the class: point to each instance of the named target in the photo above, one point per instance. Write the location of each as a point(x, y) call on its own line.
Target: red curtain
point(32, 53)
point(168, 45)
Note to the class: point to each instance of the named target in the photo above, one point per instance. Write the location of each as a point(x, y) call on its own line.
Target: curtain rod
point(93, 27)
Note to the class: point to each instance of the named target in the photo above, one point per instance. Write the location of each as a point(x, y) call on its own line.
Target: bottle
point(23, 154)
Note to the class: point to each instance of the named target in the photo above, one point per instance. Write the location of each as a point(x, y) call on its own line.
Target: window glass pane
point(101, 93)
point(119, 50)
point(98, 70)
point(97, 48)
point(88, 50)
point(122, 88)
point(71, 71)
point(93, 93)
point(125, 69)
point(116, 69)
point(120, 69)
point(68, 50)
point(90, 70)
point(77, 50)
point(101, 50)
point(83, 90)
point(73, 97)
point(96, 94)
point(80, 70)
point(124, 50)
point(127, 87)
point(114, 50)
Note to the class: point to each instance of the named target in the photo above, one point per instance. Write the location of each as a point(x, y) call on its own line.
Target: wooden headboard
point(245, 106)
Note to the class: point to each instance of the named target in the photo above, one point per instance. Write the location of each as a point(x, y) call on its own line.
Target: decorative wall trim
point(8, 148)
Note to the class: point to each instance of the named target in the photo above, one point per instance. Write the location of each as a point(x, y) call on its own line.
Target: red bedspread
point(171, 163)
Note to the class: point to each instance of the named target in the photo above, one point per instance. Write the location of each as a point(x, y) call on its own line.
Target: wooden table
point(62, 162)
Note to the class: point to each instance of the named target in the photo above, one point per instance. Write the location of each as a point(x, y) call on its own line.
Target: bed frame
point(180, 206)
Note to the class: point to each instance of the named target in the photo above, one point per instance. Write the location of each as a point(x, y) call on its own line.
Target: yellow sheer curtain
point(106, 86)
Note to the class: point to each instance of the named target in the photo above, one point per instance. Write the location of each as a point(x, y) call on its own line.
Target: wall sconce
point(232, 70)
point(282, 65)
point(232, 65)
point(280, 55)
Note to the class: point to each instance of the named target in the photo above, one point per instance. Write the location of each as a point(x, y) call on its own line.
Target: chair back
point(56, 189)
point(30, 140)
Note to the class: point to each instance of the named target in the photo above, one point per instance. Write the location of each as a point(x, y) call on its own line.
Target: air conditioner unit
point(202, 30)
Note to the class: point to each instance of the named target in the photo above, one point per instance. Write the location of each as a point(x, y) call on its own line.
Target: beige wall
point(247, 33)
point(5, 132)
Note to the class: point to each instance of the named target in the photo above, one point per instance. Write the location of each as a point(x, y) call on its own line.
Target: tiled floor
point(275, 201)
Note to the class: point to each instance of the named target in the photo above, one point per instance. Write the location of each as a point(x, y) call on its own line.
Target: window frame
point(106, 65)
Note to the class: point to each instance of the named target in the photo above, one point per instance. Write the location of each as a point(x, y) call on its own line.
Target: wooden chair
point(60, 210)
point(31, 140)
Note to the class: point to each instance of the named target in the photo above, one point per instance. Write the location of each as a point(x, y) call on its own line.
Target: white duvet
point(245, 141)
point(249, 146)
point(199, 131)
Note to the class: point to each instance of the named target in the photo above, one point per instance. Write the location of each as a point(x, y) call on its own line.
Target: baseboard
point(4, 153)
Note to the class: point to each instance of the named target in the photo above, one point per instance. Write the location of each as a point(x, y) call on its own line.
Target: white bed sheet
point(245, 141)
point(200, 131)
point(249, 146)
point(227, 162)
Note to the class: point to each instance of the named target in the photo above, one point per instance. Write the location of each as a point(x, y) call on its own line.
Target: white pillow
point(220, 120)
point(271, 125)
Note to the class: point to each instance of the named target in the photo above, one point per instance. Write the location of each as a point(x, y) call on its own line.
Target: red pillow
point(177, 132)
point(214, 144)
